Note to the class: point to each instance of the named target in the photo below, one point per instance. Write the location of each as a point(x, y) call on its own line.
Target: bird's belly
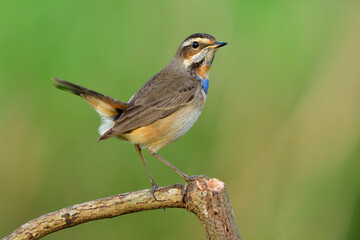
point(166, 130)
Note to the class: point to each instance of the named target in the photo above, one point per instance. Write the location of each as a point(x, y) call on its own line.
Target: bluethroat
point(165, 108)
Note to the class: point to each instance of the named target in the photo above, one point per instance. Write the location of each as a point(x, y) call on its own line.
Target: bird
point(164, 109)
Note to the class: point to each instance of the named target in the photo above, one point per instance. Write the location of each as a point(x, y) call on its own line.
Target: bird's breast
point(204, 84)
point(166, 130)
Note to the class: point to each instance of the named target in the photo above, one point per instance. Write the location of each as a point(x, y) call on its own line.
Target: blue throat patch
point(204, 84)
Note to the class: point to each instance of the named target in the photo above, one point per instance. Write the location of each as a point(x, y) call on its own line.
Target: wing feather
point(161, 96)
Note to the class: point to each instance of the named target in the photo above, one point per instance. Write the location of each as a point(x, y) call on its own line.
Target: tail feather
point(108, 108)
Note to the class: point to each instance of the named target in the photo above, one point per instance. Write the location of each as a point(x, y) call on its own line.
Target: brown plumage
point(161, 96)
point(165, 108)
point(106, 106)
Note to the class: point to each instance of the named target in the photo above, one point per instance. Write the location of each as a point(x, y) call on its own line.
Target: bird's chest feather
point(181, 121)
point(202, 74)
point(204, 83)
point(187, 116)
point(166, 130)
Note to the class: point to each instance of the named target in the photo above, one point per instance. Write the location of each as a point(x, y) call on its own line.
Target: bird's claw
point(197, 177)
point(154, 187)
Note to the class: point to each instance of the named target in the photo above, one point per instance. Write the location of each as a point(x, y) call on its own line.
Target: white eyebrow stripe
point(186, 43)
point(191, 40)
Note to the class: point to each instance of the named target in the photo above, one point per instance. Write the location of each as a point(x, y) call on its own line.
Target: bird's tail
point(108, 108)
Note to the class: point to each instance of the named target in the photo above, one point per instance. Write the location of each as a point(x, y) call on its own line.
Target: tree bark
point(208, 199)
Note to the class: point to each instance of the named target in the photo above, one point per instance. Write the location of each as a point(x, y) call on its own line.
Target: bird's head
point(197, 52)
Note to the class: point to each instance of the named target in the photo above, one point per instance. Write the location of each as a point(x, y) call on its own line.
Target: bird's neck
point(203, 71)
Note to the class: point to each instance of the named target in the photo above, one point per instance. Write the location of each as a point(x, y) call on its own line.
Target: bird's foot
point(153, 189)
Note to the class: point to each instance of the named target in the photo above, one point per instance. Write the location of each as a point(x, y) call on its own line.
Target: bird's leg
point(187, 178)
point(153, 183)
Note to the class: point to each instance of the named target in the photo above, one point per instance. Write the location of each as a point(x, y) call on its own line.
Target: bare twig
point(208, 200)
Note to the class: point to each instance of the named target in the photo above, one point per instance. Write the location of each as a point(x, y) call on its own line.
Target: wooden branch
point(208, 199)
point(211, 204)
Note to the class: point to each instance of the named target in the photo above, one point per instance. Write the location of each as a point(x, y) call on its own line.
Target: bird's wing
point(161, 96)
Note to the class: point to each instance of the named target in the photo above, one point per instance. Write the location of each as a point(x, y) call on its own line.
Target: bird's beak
point(219, 44)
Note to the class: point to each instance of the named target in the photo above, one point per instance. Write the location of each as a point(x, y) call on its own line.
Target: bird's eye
point(195, 44)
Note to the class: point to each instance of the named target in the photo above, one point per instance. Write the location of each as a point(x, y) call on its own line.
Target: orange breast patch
point(203, 71)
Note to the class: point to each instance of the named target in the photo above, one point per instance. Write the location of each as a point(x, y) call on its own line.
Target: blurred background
point(281, 126)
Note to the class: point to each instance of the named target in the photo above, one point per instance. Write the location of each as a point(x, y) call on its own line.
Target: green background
point(281, 126)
